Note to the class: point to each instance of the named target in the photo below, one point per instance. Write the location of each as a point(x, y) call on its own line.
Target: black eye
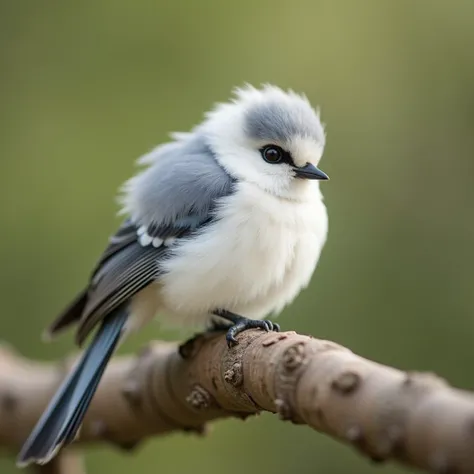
point(272, 154)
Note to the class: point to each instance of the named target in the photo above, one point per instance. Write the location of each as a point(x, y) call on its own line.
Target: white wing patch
point(157, 242)
point(146, 239)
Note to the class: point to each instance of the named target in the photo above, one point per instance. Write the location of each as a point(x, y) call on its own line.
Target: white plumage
point(268, 255)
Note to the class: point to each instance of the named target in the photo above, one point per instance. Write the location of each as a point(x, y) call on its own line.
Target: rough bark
point(414, 418)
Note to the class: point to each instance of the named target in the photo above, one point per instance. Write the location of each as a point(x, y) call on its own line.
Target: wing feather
point(183, 188)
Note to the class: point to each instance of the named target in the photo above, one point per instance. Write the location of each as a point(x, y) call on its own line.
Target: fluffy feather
point(268, 255)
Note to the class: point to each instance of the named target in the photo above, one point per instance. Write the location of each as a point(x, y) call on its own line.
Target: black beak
point(310, 171)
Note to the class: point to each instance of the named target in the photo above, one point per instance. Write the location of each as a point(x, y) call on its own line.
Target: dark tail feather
point(70, 315)
point(61, 420)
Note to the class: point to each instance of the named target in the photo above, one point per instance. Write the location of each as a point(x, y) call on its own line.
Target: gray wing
point(127, 265)
point(125, 268)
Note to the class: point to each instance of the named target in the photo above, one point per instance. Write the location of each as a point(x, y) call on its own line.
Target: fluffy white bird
point(227, 220)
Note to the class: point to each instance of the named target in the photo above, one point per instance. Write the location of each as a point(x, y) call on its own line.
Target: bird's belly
point(251, 262)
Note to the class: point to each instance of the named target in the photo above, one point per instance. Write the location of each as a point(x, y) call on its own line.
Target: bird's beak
point(310, 171)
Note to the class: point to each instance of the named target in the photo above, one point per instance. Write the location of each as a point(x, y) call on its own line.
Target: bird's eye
point(272, 154)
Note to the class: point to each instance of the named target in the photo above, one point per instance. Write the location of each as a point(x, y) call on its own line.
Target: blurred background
point(88, 87)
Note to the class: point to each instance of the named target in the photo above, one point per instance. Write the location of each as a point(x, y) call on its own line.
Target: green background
point(88, 87)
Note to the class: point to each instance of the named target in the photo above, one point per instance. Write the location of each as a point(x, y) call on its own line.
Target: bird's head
point(269, 137)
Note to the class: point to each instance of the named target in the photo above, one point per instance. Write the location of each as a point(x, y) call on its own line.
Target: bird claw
point(243, 324)
point(271, 326)
point(240, 324)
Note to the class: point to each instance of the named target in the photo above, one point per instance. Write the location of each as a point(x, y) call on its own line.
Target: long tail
point(61, 420)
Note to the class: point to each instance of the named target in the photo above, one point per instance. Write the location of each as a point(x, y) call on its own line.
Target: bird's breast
point(254, 259)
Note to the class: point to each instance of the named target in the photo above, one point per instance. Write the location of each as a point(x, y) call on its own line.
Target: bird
point(224, 222)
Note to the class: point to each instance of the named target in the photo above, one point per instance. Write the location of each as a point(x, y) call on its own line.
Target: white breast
point(253, 260)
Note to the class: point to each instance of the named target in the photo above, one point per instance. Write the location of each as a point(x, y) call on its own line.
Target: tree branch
point(413, 418)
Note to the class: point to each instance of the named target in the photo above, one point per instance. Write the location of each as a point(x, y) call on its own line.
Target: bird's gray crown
point(278, 116)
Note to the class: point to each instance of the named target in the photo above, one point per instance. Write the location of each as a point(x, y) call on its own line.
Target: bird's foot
point(218, 326)
point(240, 324)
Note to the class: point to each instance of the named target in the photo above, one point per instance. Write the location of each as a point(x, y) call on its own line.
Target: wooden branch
point(413, 418)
